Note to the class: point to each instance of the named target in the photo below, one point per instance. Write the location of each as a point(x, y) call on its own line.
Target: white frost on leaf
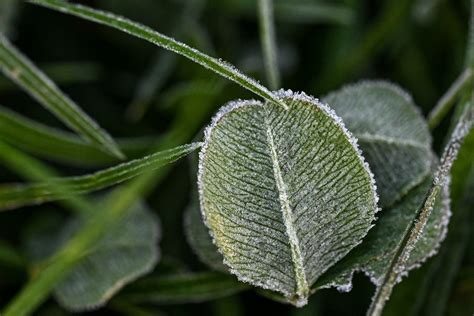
point(331, 193)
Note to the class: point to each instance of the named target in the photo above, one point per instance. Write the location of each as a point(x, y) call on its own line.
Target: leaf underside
point(392, 134)
point(126, 252)
point(285, 193)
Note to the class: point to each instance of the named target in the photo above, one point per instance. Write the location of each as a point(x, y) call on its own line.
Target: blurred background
point(134, 89)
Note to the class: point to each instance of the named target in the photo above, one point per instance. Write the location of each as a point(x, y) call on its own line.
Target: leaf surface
point(126, 252)
point(285, 193)
point(392, 134)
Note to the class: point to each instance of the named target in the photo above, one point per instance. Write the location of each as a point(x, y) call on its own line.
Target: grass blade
point(399, 262)
point(18, 68)
point(267, 38)
point(19, 195)
point(220, 67)
point(448, 99)
point(55, 144)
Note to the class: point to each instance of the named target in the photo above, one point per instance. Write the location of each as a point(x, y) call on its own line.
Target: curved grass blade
point(399, 262)
point(183, 288)
point(268, 182)
point(55, 144)
point(17, 67)
point(449, 98)
point(12, 196)
point(220, 67)
point(268, 40)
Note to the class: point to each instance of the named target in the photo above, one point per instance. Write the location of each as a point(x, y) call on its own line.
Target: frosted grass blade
point(55, 144)
point(219, 66)
point(17, 67)
point(12, 196)
point(398, 264)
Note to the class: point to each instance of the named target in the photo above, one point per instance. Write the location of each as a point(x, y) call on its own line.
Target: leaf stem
point(448, 99)
point(412, 234)
point(268, 42)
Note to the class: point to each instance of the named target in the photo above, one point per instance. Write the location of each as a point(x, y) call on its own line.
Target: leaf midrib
point(302, 288)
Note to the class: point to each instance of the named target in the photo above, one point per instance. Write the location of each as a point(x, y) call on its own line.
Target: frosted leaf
point(392, 134)
point(285, 193)
point(374, 255)
point(126, 252)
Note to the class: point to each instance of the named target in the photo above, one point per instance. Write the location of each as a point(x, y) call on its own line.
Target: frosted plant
point(285, 193)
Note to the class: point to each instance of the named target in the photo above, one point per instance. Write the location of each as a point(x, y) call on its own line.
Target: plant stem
point(268, 42)
point(448, 99)
point(412, 234)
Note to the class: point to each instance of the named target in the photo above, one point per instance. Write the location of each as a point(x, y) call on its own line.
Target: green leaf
point(55, 144)
point(222, 68)
point(183, 288)
point(17, 67)
point(126, 252)
point(392, 134)
point(12, 196)
point(374, 255)
point(285, 193)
